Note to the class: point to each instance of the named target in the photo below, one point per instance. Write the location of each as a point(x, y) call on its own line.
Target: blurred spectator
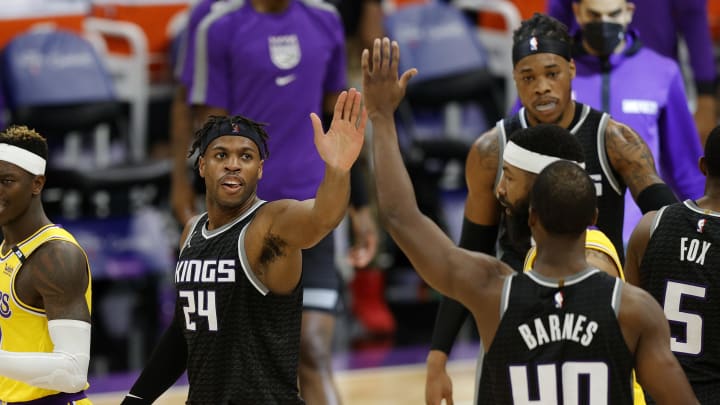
point(613, 75)
point(363, 22)
point(661, 23)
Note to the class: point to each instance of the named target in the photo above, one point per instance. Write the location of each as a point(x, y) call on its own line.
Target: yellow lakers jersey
point(24, 328)
point(596, 240)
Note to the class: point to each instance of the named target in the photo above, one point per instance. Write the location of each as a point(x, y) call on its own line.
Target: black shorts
point(320, 276)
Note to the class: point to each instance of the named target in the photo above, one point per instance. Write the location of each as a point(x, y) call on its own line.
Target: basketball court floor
point(377, 376)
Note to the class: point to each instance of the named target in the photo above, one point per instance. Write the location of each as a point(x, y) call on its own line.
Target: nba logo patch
point(533, 44)
point(284, 51)
point(559, 298)
point(701, 225)
point(235, 128)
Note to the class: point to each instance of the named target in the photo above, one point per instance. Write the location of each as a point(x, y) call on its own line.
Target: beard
point(516, 224)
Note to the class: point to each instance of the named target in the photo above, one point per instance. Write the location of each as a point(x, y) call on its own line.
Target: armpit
point(273, 248)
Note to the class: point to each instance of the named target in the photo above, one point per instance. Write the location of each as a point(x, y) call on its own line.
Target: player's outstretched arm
point(301, 224)
point(447, 268)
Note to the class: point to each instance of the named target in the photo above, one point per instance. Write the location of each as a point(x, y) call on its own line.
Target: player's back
point(679, 269)
point(558, 339)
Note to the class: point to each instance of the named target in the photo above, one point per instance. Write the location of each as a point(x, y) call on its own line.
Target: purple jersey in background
point(645, 91)
point(184, 64)
point(659, 23)
point(276, 69)
point(651, 101)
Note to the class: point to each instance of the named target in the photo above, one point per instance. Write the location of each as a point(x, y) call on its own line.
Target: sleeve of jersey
point(680, 144)
point(64, 369)
point(691, 17)
point(212, 78)
point(336, 79)
point(186, 59)
point(167, 363)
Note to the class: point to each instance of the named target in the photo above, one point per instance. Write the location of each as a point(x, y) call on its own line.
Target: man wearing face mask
point(661, 24)
point(640, 88)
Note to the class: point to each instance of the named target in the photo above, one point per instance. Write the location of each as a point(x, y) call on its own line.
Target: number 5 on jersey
point(204, 305)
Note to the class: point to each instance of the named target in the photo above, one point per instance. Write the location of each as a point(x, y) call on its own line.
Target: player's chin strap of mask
point(64, 369)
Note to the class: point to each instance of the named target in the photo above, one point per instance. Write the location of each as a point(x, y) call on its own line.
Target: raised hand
point(341, 145)
point(382, 89)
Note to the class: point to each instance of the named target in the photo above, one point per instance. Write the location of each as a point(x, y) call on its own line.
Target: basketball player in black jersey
point(673, 254)
point(560, 333)
point(236, 328)
point(616, 159)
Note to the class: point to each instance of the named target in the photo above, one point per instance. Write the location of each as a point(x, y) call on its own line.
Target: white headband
point(528, 160)
point(22, 158)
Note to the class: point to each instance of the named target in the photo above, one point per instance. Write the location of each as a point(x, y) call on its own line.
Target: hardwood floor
point(397, 385)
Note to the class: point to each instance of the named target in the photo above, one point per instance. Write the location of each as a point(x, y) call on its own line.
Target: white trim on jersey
point(324, 298)
point(603, 157)
point(245, 263)
point(616, 296)
point(554, 283)
point(198, 93)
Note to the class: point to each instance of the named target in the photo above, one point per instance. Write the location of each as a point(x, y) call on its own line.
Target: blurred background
point(95, 77)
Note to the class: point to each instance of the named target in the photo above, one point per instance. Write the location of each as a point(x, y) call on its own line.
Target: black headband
point(535, 45)
point(233, 128)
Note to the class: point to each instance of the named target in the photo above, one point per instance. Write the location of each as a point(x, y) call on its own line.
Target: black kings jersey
point(558, 345)
point(242, 340)
point(681, 269)
point(589, 126)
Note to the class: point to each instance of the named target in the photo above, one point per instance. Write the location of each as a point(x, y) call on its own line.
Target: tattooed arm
point(631, 158)
point(54, 278)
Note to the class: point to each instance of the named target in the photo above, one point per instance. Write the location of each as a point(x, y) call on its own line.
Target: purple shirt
point(646, 92)
point(659, 23)
point(653, 103)
point(184, 69)
point(274, 68)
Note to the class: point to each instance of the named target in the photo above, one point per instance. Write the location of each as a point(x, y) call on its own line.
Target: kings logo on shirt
point(284, 51)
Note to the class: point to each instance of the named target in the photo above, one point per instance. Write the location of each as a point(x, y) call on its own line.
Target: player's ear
point(201, 166)
point(260, 169)
point(37, 184)
point(532, 218)
point(702, 164)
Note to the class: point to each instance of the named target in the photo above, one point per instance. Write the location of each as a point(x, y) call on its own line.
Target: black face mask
point(603, 37)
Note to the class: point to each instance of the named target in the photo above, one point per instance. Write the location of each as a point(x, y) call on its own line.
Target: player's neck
point(560, 257)
point(711, 199)
point(219, 215)
point(568, 115)
point(270, 6)
point(24, 226)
